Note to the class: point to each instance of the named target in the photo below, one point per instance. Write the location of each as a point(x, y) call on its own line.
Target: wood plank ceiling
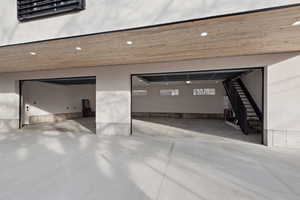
point(262, 32)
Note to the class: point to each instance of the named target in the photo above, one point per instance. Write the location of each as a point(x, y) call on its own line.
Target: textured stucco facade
point(109, 15)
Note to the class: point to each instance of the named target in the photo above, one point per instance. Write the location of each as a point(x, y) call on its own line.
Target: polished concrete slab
point(63, 164)
point(200, 128)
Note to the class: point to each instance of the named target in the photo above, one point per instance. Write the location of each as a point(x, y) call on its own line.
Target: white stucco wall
point(9, 109)
point(185, 102)
point(108, 15)
point(46, 98)
point(283, 97)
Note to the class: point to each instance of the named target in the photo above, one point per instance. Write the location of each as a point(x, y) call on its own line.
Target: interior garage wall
point(47, 98)
point(186, 102)
point(254, 83)
point(108, 15)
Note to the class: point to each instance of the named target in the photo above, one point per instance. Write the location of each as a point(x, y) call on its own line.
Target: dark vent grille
point(32, 9)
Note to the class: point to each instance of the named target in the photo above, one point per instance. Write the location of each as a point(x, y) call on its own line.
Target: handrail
point(251, 100)
point(238, 106)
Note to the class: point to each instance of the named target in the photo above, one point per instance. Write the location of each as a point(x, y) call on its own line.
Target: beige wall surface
point(185, 102)
point(108, 15)
point(283, 103)
point(113, 98)
point(46, 98)
point(9, 98)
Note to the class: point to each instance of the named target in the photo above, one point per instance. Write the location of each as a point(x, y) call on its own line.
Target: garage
point(201, 104)
point(65, 104)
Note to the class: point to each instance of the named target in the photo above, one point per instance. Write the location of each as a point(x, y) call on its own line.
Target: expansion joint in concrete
point(166, 169)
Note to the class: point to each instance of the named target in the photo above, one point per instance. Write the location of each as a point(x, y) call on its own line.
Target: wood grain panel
point(246, 34)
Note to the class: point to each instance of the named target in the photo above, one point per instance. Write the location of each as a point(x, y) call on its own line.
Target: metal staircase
point(247, 113)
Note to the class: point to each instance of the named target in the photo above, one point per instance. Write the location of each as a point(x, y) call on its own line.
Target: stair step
point(255, 123)
point(251, 113)
point(253, 118)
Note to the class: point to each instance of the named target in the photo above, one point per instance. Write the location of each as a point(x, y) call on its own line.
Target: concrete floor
point(68, 165)
point(200, 128)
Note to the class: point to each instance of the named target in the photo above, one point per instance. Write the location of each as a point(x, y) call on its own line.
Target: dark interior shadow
point(89, 123)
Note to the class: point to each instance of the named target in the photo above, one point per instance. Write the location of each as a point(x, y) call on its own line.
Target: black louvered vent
point(33, 9)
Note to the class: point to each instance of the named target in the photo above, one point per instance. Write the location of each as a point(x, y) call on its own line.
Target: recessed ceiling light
point(32, 53)
point(188, 82)
point(204, 34)
point(78, 48)
point(129, 42)
point(297, 23)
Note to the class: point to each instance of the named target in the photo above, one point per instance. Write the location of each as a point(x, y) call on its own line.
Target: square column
point(113, 99)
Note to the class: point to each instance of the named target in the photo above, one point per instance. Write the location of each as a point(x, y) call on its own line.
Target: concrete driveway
point(59, 164)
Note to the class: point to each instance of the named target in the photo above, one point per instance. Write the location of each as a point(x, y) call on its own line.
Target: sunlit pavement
point(58, 165)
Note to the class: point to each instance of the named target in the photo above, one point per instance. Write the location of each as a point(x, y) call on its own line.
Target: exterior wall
point(9, 104)
point(186, 102)
point(113, 99)
point(254, 83)
point(283, 97)
point(47, 99)
point(108, 15)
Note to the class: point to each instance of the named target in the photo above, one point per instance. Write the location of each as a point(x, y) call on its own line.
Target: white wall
point(47, 98)
point(254, 83)
point(9, 109)
point(186, 102)
point(283, 103)
point(108, 15)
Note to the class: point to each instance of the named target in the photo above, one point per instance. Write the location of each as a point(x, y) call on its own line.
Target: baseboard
point(282, 138)
point(179, 115)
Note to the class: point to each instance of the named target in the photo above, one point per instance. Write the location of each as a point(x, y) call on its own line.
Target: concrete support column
point(9, 104)
point(282, 108)
point(113, 98)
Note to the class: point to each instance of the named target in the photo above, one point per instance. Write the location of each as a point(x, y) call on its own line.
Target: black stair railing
point(237, 106)
point(251, 100)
